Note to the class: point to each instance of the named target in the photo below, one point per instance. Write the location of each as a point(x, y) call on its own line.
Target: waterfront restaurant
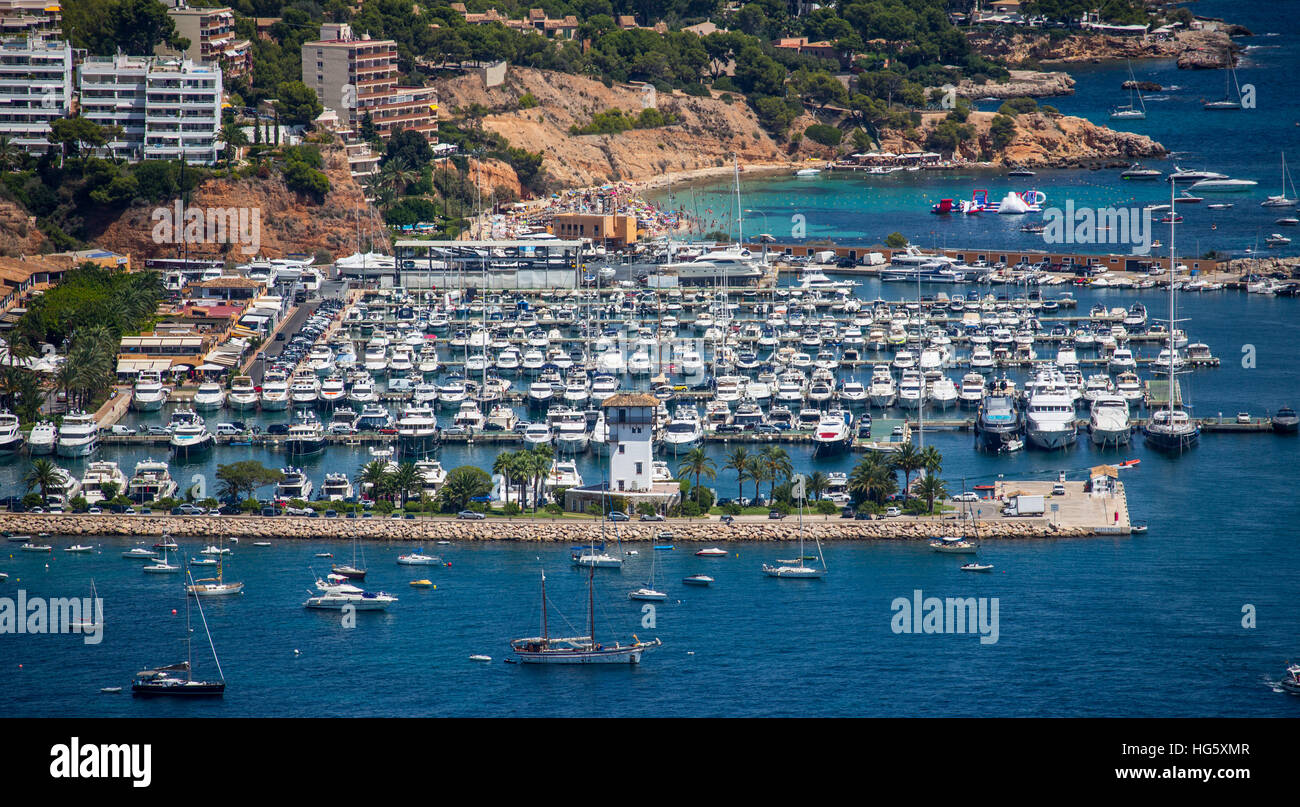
point(523, 264)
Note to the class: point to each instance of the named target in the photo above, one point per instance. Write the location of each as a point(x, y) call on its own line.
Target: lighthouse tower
point(629, 418)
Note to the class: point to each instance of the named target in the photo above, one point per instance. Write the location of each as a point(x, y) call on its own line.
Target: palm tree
point(908, 460)
point(757, 471)
point(522, 465)
point(933, 459)
point(816, 485)
point(778, 465)
point(872, 478)
point(42, 474)
point(376, 476)
point(505, 464)
point(931, 487)
point(406, 480)
point(696, 464)
point(542, 456)
point(738, 461)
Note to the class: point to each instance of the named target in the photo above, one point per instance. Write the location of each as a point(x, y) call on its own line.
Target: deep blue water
point(1143, 625)
point(1246, 144)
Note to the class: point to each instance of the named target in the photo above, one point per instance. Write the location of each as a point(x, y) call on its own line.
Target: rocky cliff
point(289, 221)
point(1041, 139)
point(1210, 47)
point(710, 130)
point(1021, 84)
point(18, 233)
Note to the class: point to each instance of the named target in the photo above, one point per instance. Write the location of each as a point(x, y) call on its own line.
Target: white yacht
point(275, 392)
point(540, 392)
point(1121, 360)
point(883, 391)
point(98, 474)
point(972, 390)
point(149, 394)
point(853, 393)
point(42, 438)
point(832, 432)
point(683, 432)
point(452, 392)
point(304, 390)
point(1049, 417)
point(942, 391)
point(470, 417)
point(537, 434)
point(242, 395)
point(417, 430)
point(731, 266)
point(571, 435)
point(307, 436)
point(333, 390)
point(602, 387)
point(209, 396)
point(294, 484)
point(1109, 421)
point(336, 488)
point(150, 481)
point(11, 436)
point(78, 436)
point(910, 392)
point(336, 594)
point(363, 391)
point(189, 435)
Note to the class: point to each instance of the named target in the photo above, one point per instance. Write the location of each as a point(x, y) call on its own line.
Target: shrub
point(527, 101)
point(823, 134)
point(1015, 106)
point(511, 509)
point(827, 507)
point(690, 509)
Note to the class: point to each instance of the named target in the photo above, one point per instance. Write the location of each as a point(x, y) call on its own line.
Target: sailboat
point(353, 570)
point(162, 566)
point(95, 619)
point(1282, 200)
point(1171, 429)
point(169, 681)
point(798, 568)
point(1128, 111)
point(649, 592)
point(1229, 101)
point(546, 649)
point(215, 586)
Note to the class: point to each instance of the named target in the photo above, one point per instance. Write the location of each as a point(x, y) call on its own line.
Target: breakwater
point(212, 528)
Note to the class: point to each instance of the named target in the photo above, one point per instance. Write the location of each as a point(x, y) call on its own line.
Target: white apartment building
point(35, 88)
point(167, 108)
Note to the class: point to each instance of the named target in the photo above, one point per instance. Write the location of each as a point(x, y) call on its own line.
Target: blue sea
point(1246, 144)
point(1195, 618)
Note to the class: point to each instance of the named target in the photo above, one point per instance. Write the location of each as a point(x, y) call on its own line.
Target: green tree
point(778, 465)
point(463, 483)
point(42, 474)
point(240, 480)
point(694, 464)
point(931, 487)
point(738, 461)
point(908, 460)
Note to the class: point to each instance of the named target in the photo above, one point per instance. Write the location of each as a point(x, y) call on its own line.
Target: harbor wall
point(212, 528)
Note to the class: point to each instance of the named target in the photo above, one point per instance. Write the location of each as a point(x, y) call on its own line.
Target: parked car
point(468, 515)
point(187, 510)
point(228, 428)
point(1058, 489)
point(157, 430)
point(118, 428)
point(890, 512)
point(968, 496)
point(775, 514)
point(618, 515)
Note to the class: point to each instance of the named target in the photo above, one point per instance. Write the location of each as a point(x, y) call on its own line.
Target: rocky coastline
point(256, 528)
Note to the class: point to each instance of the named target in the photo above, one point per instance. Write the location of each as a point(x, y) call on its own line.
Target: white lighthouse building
point(630, 418)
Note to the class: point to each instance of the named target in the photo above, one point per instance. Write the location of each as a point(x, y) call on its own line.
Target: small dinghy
point(480, 657)
point(111, 690)
point(697, 580)
point(422, 583)
point(977, 567)
point(711, 552)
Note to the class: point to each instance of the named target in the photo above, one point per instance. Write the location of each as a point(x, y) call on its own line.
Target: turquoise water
point(1245, 145)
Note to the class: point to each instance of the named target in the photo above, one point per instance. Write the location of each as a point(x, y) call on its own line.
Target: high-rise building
point(211, 32)
point(357, 75)
point(167, 108)
point(35, 88)
point(30, 18)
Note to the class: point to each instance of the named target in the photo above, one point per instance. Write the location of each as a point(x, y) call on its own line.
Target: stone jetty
point(210, 529)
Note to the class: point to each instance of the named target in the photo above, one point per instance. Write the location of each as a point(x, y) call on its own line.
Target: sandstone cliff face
point(18, 233)
point(289, 221)
point(1205, 48)
point(1041, 140)
point(709, 133)
point(1022, 84)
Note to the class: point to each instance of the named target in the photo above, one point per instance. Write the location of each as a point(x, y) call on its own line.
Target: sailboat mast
point(1173, 319)
point(546, 632)
point(740, 214)
point(591, 603)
